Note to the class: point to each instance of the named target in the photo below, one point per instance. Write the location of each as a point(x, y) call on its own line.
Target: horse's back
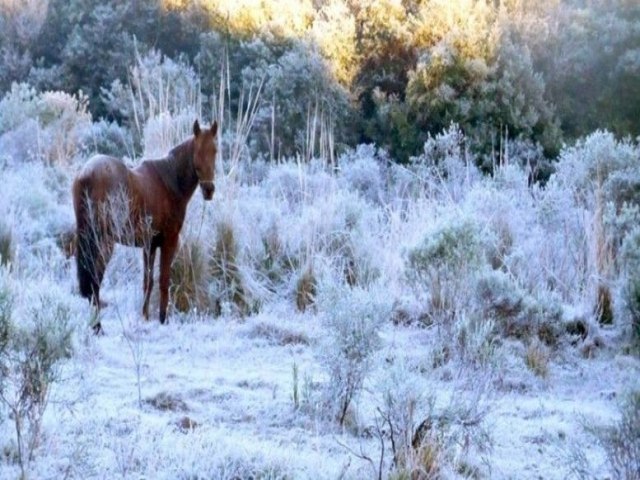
point(102, 175)
point(100, 179)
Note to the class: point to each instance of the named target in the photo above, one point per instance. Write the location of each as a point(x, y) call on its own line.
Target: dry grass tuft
point(604, 305)
point(189, 278)
point(306, 289)
point(537, 359)
point(225, 271)
point(277, 335)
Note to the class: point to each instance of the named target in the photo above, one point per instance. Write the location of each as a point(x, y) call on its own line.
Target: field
point(369, 321)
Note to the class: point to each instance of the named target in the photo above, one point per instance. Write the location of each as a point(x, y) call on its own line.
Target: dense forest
point(388, 72)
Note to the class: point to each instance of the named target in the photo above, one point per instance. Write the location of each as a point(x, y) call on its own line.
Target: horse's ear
point(214, 128)
point(196, 128)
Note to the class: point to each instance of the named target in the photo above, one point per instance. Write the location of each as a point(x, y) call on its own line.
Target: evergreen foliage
point(385, 72)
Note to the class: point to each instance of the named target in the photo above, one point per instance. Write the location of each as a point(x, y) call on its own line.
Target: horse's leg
point(86, 258)
point(104, 250)
point(104, 255)
point(149, 257)
point(167, 251)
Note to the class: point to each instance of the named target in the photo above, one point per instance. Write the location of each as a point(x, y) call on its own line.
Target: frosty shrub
point(353, 319)
point(31, 352)
point(18, 106)
point(446, 159)
point(363, 170)
point(631, 284)
point(401, 406)
point(621, 442)
point(599, 161)
point(307, 103)
point(603, 175)
point(440, 269)
point(474, 341)
point(517, 313)
point(107, 138)
point(60, 121)
point(157, 86)
point(431, 435)
point(346, 236)
point(275, 262)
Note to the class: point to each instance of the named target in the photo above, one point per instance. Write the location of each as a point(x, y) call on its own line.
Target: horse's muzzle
point(207, 190)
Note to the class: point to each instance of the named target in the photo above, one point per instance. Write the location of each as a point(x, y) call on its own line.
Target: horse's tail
point(87, 248)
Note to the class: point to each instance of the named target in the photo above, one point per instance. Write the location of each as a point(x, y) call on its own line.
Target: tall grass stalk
point(239, 125)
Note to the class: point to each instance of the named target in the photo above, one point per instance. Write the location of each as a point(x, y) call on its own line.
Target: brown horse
point(143, 207)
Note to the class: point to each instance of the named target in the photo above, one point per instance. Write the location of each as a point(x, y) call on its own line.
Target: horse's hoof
point(101, 303)
point(98, 330)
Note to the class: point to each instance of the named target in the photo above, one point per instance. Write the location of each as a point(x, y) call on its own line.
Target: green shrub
point(517, 313)
point(442, 266)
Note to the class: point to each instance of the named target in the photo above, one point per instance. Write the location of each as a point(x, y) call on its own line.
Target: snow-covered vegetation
point(422, 259)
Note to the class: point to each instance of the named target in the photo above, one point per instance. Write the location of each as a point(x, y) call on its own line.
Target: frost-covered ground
point(476, 340)
point(234, 381)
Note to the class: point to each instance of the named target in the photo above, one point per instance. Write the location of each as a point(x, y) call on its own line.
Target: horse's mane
point(176, 169)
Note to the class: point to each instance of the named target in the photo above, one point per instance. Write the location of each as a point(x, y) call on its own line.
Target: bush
point(621, 441)
point(31, 351)
point(353, 319)
point(107, 138)
point(363, 170)
point(227, 285)
point(159, 89)
point(56, 118)
point(430, 434)
point(189, 278)
point(517, 313)
point(631, 285)
point(442, 266)
point(306, 289)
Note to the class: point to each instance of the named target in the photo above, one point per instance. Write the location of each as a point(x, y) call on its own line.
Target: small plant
point(632, 293)
point(631, 285)
point(621, 441)
point(225, 271)
point(306, 289)
point(604, 305)
point(537, 359)
point(189, 278)
point(353, 322)
point(31, 352)
point(441, 266)
point(296, 387)
point(426, 437)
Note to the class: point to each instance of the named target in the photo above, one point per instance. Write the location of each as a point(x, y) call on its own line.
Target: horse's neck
point(177, 172)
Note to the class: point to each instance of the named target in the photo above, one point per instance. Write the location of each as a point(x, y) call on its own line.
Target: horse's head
point(204, 157)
